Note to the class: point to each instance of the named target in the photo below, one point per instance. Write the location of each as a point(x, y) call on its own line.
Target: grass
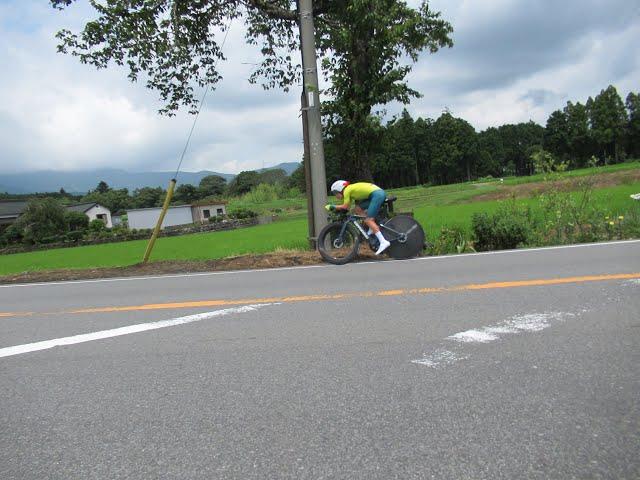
point(433, 207)
point(204, 246)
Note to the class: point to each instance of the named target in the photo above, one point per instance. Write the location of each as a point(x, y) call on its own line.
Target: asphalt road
point(513, 365)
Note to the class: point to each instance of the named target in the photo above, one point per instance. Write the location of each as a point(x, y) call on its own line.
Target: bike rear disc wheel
point(335, 248)
point(408, 247)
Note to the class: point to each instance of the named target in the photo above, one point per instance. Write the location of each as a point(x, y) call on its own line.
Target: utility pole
point(314, 125)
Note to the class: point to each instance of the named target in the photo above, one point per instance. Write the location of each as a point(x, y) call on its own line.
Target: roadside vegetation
point(555, 208)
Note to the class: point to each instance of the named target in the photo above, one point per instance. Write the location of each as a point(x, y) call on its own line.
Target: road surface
point(509, 365)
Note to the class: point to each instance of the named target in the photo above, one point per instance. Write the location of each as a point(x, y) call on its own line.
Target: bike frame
point(356, 219)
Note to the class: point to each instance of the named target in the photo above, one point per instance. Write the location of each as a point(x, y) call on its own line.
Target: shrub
point(452, 239)
point(43, 218)
point(74, 236)
point(97, 226)
point(510, 227)
point(76, 220)
point(242, 213)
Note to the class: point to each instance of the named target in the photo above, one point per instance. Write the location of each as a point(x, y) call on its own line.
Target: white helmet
point(338, 186)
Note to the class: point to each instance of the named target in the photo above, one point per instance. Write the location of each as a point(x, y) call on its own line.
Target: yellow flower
point(611, 223)
point(621, 217)
point(606, 218)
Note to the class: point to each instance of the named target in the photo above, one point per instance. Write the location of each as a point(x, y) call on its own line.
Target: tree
point(117, 201)
point(364, 46)
point(556, 134)
point(43, 219)
point(273, 176)
point(76, 221)
point(211, 186)
point(186, 193)
point(633, 126)
point(491, 156)
point(608, 119)
point(297, 179)
point(243, 183)
point(578, 134)
point(518, 141)
point(147, 197)
point(102, 187)
point(454, 150)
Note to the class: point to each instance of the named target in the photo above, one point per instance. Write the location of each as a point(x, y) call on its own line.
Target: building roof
point(81, 207)
point(156, 208)
point(12, 209)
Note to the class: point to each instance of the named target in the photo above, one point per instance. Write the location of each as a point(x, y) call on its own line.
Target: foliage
point(545, 162)
point(608, 119)
point(297, 179)
point(117, 201)
point(148, 197)
point(42, 219)
point(76, 221)
point(96, 226)
point(452, 239)
point(102, 187)
point(186, 193)
point(242, 213)
point(211, 186)
point(243, 182)
point(510, 227)
point(366, 49)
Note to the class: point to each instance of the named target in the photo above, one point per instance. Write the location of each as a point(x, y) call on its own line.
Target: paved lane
point(515, 382)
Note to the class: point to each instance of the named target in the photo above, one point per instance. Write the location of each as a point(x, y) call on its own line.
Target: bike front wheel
point(336, 246)
point(406, 237)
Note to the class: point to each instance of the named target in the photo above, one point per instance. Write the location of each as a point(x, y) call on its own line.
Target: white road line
point(116, 332)
point(534, 322)
point(306, 267)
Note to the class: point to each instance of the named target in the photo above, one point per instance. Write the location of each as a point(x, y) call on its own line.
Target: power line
point(193, 126)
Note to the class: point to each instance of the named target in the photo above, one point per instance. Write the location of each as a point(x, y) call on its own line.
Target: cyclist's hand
point(330, 208)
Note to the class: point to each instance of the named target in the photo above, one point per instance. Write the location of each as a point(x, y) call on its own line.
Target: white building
point(94, 211)
point(178, 215)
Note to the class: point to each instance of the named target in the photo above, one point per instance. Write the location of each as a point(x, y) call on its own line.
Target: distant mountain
point(288, 167)
point(83, 181)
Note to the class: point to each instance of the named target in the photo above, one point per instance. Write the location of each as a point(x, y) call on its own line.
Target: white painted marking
point(635, 281)
point(438, 358)
point(116, 332)
point(356, 265)
point(471, 336)
point(534, 322)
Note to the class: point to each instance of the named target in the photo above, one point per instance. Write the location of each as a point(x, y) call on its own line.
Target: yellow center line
point(341, 296)
point(381, 293)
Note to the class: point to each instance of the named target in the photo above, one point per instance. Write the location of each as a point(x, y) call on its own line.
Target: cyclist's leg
point(375, 201)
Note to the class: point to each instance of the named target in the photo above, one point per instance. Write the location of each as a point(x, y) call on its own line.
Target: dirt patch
point(534, 189)
point(244, 262)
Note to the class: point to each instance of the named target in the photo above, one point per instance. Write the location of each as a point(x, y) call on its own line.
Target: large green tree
point(366, 49)
point(211, 186)
point(633, 127)
point(608, 119)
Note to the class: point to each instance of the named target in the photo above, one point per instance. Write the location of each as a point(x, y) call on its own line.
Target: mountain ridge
point(82, 181)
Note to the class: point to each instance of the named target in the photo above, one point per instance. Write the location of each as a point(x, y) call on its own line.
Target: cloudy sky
point(513, 60)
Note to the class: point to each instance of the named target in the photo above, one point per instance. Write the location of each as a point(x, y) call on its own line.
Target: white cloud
point(512, 61)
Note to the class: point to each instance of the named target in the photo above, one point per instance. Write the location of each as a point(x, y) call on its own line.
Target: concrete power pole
point(314, 125)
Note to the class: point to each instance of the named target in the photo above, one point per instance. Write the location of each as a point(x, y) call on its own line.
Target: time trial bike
point(339, 241)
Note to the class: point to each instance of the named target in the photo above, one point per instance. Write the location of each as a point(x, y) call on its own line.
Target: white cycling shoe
point(383, 246)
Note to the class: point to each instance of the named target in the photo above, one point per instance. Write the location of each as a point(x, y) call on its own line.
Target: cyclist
point(368, 197)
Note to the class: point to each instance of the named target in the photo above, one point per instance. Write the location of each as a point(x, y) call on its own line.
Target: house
point(10, 211)
point(94, 211)
point(177, 215)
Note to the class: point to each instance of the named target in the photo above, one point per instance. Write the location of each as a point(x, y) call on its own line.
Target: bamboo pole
point(156, 231)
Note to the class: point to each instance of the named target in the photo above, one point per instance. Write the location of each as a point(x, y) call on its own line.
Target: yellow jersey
point(358, 192)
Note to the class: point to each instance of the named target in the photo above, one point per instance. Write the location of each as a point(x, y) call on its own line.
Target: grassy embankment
point(434, 207)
